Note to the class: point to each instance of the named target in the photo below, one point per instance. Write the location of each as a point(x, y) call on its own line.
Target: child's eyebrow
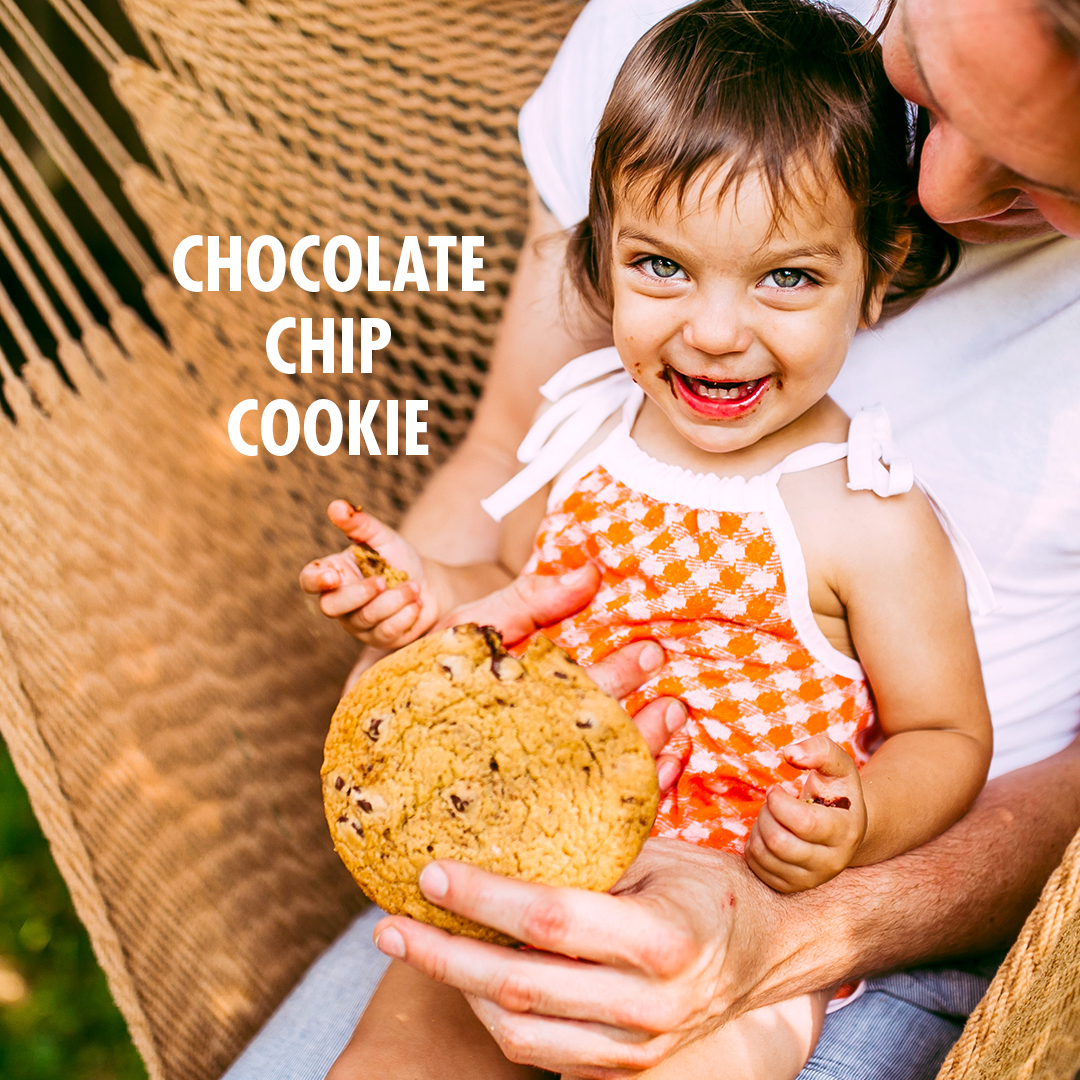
point(775, 256)
point(627, 233)
point(829, 252)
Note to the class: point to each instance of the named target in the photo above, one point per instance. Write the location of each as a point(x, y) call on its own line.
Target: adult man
point(983, 385)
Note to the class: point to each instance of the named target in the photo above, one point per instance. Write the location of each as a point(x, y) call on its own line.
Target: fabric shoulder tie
point(584, 393)
point(874, 464)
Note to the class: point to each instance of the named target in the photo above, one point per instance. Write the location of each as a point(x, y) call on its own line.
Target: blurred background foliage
point(57, 1018)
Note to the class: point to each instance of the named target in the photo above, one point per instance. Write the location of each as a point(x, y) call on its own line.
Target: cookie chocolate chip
point(372, 564)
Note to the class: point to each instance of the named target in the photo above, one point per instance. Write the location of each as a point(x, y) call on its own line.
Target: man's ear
point(898, 253)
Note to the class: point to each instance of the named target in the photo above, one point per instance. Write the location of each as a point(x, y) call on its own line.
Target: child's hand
point(799, 843)
point(379, 616)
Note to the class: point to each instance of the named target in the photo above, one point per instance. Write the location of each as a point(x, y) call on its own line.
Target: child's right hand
point(379, 616)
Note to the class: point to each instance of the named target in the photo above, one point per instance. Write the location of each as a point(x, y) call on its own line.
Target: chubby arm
point(908, 613)
point(454, 553)
point(543, 327)
point(885, 572)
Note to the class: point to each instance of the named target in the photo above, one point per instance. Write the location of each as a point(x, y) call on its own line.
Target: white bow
point(874, 464)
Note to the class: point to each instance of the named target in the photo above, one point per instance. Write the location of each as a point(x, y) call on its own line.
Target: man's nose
point(716, 324)
point(959, 183)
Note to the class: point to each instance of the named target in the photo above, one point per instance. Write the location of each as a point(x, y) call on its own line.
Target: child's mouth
point(718, 400)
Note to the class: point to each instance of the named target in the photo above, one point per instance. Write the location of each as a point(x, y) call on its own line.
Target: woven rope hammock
point(164, 688)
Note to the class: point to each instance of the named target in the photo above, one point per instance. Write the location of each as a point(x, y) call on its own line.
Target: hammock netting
point(164, 686)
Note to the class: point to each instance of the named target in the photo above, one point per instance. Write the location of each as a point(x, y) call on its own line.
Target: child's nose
point(716, 326)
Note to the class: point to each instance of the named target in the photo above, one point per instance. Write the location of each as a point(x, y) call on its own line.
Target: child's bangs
point(793, 177)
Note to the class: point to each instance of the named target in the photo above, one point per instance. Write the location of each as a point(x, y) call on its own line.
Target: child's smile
point(717, 400)
point(734, 326)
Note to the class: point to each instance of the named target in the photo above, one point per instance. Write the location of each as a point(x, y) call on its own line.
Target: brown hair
point(775, 85)
point(1063, 18)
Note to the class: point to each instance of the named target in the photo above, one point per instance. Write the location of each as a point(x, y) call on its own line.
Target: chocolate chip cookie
point(452, 748)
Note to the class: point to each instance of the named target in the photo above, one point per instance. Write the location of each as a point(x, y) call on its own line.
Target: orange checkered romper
point(710, 568)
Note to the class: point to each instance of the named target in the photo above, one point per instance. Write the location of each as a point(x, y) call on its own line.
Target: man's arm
point(690, 938)
point(543, 326)
point(967, 891)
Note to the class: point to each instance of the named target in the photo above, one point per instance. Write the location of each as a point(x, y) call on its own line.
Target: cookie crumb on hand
point(372, 564)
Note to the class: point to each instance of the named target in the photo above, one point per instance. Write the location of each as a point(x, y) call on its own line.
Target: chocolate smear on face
point(667, 375)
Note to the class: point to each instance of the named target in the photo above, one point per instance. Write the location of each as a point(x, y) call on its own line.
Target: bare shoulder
point(857, 539)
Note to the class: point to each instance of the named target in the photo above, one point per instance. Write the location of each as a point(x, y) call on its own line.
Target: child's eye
point(787, 278)
point(658, 266)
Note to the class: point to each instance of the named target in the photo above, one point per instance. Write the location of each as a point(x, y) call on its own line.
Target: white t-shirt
point(981, 380)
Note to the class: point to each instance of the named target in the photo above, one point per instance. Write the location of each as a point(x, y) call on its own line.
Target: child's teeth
point(717, 393)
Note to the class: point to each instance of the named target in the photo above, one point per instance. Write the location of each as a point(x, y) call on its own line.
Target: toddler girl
point(750, 209)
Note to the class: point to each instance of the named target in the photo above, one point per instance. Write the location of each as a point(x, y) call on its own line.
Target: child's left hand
point(797, 844)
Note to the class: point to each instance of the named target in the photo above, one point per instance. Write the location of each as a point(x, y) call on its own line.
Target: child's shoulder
point(860, 533)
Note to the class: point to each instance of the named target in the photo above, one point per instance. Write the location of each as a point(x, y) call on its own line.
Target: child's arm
point(388, 618)
point(896, 575)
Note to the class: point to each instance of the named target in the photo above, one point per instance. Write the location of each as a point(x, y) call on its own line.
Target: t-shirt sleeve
point(557, 125)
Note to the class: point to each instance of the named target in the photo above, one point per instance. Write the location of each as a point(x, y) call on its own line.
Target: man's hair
point(1063, 17)
point(780, 86)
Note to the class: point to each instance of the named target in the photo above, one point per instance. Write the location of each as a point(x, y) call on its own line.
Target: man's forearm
point(967, 891)
point(445, 522)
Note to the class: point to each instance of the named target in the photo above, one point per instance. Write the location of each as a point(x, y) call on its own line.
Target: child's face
point(734, 327)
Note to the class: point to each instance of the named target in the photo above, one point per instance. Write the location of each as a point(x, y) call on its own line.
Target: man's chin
point(988, 231)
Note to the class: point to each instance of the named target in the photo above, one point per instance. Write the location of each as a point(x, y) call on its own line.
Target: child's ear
point(900, 248)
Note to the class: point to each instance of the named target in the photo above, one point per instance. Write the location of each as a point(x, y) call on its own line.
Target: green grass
point(57, 1018)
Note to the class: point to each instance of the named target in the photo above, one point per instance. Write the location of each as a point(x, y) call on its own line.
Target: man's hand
point(623, 979)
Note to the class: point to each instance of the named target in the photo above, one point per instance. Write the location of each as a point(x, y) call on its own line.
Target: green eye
point(787, 278)
point(662, 267)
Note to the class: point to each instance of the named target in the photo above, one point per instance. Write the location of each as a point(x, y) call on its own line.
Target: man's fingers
point(530, 603)
point(627, 668)
point(668, 770)
point(574, 1047)
point(522, 982)
point(658, 721)
point(573, 922)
